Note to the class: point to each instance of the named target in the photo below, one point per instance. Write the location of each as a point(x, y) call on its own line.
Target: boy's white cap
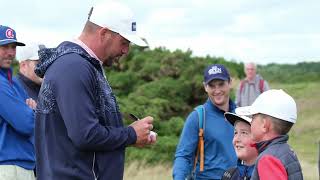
point(118, 18)
point(29, 52)
point(275, 103)
point(232, 118)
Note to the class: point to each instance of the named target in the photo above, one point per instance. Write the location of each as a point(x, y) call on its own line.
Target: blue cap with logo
point(8, 35)
point(216, 71)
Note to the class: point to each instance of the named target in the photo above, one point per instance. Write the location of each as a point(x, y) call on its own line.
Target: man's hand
point(143, 129)
point(31, 103)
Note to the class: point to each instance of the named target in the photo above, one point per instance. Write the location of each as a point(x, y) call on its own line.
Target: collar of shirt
point(90, 52)
point(86, 48)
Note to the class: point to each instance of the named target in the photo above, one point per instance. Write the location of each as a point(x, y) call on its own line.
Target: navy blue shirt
point(31, 87)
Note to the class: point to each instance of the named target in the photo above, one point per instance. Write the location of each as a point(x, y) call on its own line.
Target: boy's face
point(242, 141)
point(257, 128)
point(218, 91)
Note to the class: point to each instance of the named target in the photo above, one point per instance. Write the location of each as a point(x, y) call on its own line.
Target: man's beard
point(6, 63)
point(111, 60)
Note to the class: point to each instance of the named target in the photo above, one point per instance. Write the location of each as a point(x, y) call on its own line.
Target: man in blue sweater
point(17, 157)
point(79, 131)
point(219, 154)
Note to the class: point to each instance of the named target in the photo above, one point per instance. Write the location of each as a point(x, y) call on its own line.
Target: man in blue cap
point(17, 157)
point(218, 153)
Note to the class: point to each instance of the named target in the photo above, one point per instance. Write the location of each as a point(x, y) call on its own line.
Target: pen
point(133, 117)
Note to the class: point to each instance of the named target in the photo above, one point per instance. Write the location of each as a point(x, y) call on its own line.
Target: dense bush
point(291, 73)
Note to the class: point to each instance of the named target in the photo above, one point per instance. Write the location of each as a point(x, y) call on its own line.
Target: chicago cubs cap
point(8, 35)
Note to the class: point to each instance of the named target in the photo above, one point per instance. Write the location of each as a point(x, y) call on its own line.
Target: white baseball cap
point(29, 52)
point(233, 117)
point(118, 18)
point(275, 103)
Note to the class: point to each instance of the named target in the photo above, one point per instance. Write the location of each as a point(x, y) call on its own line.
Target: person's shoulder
point(72, 61)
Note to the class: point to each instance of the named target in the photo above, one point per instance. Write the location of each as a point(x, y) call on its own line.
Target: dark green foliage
point(291, 73)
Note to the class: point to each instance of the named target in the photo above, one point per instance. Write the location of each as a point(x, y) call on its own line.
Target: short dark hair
point(90, 27)
point(280, 126)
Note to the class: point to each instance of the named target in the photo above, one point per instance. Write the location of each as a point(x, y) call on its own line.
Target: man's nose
point(11, 51)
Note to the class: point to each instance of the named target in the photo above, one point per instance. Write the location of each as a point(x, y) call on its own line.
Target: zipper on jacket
point(93, 162)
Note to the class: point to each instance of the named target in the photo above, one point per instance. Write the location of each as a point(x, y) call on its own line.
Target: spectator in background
point(242, 143)
point(28, 59)
point(219, 154)
point(17, 157)
point(79, 128)
point(251, 87)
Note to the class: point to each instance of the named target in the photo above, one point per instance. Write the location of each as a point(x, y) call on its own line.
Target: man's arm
point(266, 86)
point(185, 152)
point(15, 111)
point(74, 93)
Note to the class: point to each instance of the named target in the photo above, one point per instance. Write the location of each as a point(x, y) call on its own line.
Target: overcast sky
point(262, 31)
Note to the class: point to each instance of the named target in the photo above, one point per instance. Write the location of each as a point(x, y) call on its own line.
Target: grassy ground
point(304, 137)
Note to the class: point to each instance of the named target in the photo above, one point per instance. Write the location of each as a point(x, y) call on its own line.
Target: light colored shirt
point(90, 52)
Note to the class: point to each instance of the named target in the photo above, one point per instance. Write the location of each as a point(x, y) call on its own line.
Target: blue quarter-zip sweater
point(218, 148)
point(79, 131)
point(16, 124)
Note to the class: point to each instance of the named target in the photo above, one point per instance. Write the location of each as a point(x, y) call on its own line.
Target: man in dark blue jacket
point(79, 129)
point(17, 157)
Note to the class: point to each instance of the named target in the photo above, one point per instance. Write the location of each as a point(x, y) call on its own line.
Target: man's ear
point(104, 33)
point(22, 64)
point(205, 86)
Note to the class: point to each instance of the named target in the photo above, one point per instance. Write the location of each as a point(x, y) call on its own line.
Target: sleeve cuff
point(132, 136)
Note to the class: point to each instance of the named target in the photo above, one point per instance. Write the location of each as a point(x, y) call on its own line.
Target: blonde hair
point(90, 27)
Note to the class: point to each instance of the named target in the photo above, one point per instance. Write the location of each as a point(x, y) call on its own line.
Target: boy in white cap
point(28, 59)
point(273, 114)
point(242, 143)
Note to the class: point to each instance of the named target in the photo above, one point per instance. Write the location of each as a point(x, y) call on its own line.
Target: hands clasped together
point(145, 135)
